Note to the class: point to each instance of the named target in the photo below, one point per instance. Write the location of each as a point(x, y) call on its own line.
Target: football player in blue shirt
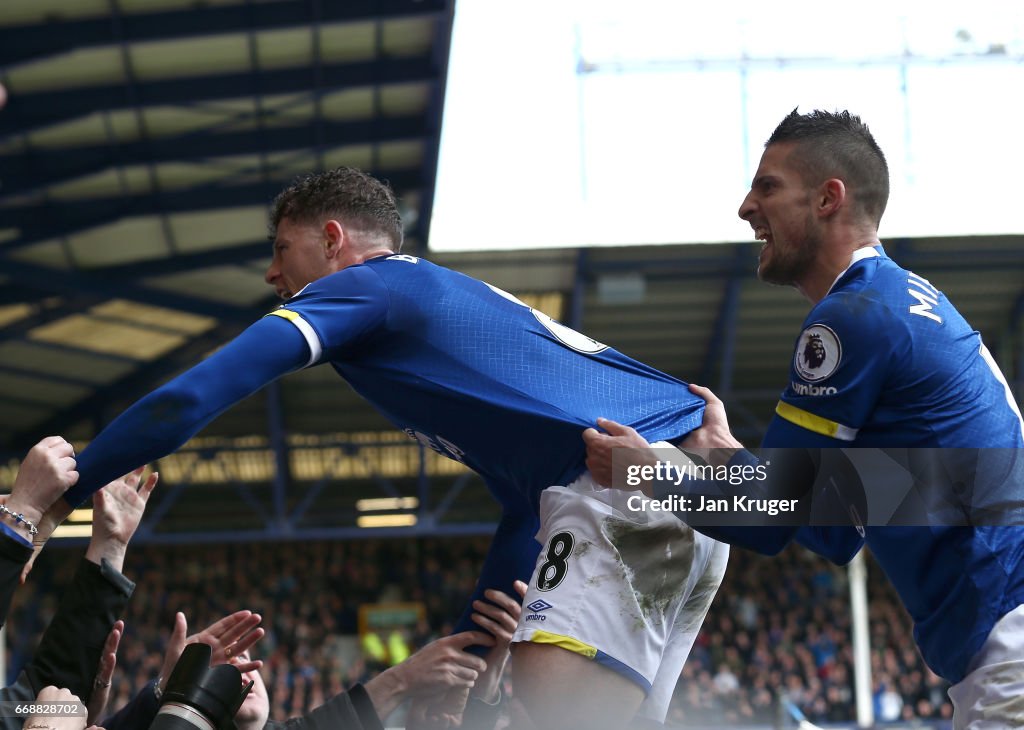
point(473, 373)
point(884, 360)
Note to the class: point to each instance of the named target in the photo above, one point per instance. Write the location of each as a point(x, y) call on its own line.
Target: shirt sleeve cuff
point(743, 458)
point(363, 706)
point(116, 578)
point(15, 535)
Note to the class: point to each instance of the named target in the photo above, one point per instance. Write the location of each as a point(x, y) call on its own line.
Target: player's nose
point(746, 207)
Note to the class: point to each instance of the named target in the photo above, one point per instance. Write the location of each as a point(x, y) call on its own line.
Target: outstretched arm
point(117, 513)
point(440, 666)
point(474, 706)
point(47, 470)
point(792, 476)
point(499, 615)
point(45, 474)
point(169, 416)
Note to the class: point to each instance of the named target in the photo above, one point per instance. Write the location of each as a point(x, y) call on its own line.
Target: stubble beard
point(786, 267)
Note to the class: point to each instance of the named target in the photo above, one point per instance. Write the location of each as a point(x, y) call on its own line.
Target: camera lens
point(176, 716)
point(198, 697)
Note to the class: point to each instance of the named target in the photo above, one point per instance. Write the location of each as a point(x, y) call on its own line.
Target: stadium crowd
point(304, 612)
point(76, 655)
point(779, 624)
point(782, 625)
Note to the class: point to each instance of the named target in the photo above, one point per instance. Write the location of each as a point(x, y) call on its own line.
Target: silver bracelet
point(20, 518)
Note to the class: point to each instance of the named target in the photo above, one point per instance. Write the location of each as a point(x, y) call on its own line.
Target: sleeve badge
point(818, 352)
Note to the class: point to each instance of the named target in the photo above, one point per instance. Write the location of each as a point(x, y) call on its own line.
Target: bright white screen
point(583, 122)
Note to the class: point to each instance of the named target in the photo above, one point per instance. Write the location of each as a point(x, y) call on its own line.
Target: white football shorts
point(991, 696)
point(626, 588)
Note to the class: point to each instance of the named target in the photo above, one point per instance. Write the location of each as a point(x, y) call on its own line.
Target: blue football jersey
point(478, 376)
point(462, 367)
point(884, 360)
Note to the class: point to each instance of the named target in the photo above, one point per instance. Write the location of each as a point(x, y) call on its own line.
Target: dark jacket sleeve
point(13, 557)
point(480, 715)
point(350, 710)
point(70, 650)
point(20, 691)
point(138, 714)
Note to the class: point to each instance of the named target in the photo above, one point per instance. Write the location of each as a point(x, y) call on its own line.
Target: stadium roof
point(140, 146)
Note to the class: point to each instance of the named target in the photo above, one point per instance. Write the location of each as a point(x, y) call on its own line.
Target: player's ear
point(334, 238)
point(831, 196)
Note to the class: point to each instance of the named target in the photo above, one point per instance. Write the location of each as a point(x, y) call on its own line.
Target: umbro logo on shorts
point(538, 606)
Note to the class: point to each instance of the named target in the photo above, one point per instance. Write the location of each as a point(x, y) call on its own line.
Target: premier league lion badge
point(817, 353)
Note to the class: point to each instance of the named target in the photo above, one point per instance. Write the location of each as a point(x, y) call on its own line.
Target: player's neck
point(354, 256)
point(375, 253)
point(832, 262)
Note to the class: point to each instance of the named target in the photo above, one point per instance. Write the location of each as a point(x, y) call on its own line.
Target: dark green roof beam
point(51, 219)
point(20, 43)
point(36, 109)
point(24, 171)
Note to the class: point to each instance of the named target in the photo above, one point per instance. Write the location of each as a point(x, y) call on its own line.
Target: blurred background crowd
point(777, 625)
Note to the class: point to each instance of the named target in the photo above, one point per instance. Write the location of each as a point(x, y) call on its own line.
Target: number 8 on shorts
point(553, 571)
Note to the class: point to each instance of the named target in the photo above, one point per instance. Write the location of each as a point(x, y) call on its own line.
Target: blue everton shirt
point(460, 366)
point(478, 376)
point(884, 360)
point(465, 369)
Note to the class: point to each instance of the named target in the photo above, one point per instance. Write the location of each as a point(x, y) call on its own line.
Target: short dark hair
point(838, 144)
point(351, 195)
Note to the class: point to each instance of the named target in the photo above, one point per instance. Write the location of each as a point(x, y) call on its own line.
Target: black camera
point(198, 696)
